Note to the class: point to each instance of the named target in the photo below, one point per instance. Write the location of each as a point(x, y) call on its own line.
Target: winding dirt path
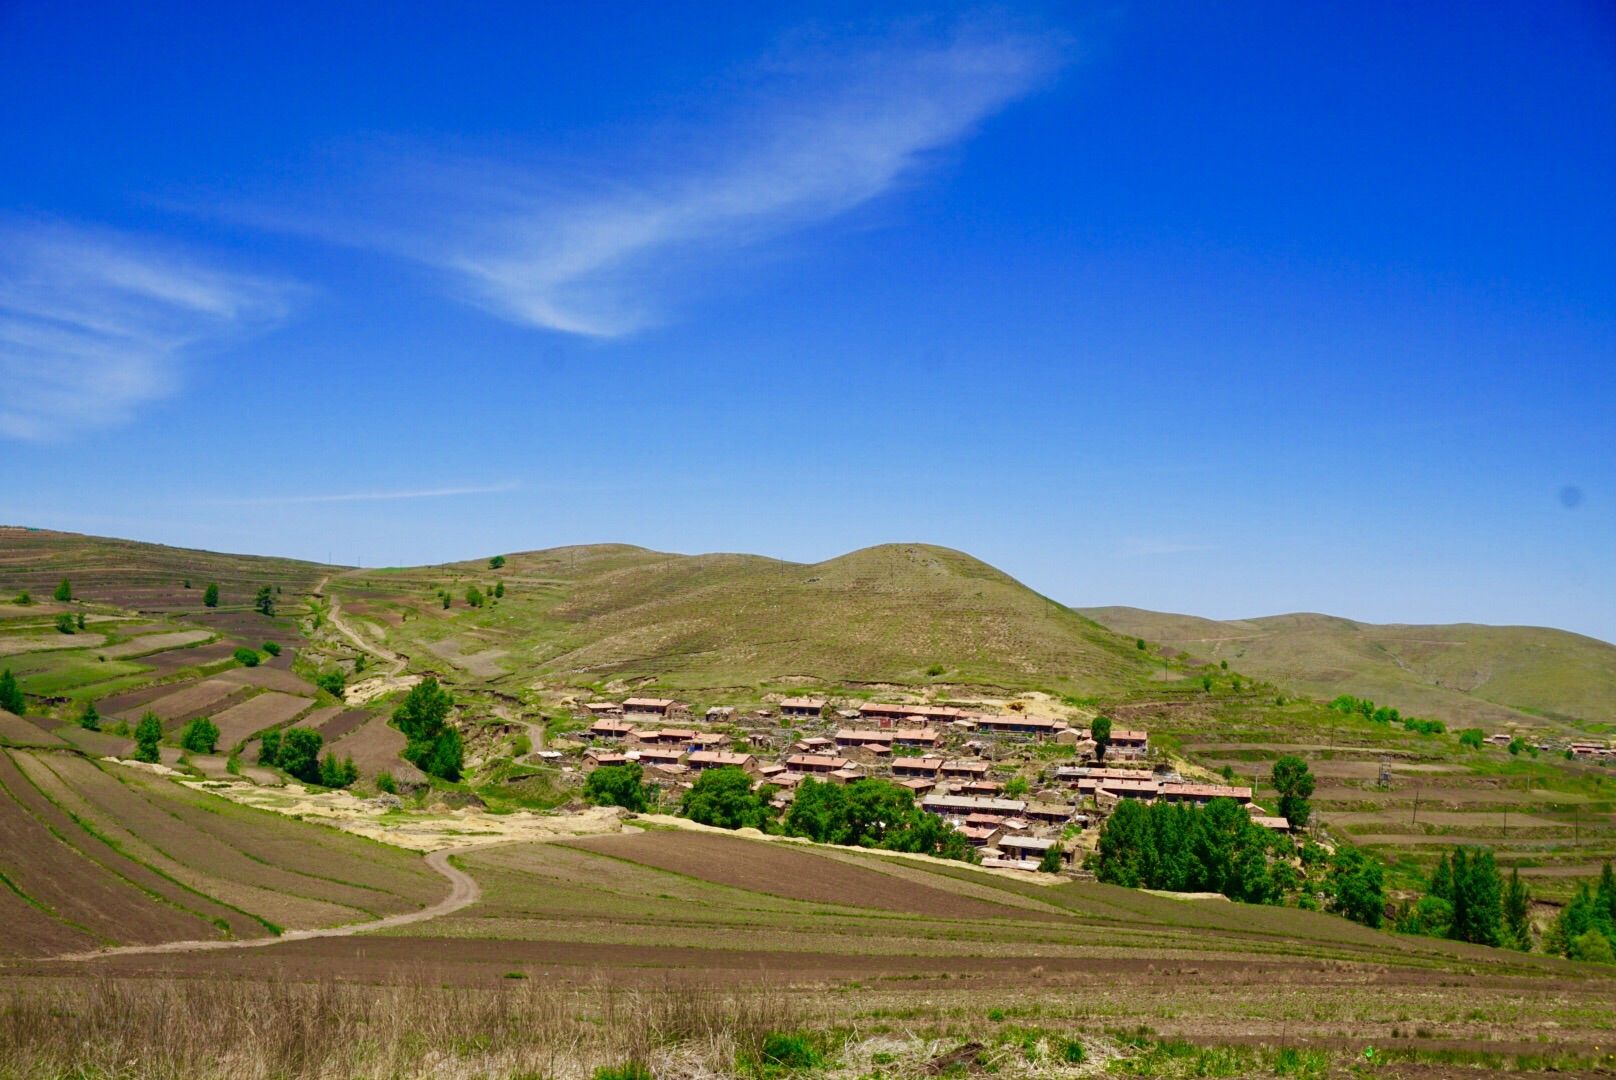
point(463, 891)
point(377, 685)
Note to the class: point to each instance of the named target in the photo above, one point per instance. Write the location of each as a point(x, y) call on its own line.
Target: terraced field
point(96, 855)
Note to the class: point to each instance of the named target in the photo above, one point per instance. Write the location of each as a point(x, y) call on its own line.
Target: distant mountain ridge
point(1464, 673)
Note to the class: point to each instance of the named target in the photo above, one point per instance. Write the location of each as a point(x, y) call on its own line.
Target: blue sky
point(1228, 309)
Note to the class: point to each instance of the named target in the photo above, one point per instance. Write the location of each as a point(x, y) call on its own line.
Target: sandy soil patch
point(13, 646)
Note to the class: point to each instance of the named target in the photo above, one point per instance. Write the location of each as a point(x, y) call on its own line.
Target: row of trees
point(296, 751)
point(1468, 899)
point(870, 813)
point(1386, 715)
point(1586, 927)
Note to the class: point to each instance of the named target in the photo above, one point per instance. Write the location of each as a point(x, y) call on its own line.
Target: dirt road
point(463, 891)
point(377, 685)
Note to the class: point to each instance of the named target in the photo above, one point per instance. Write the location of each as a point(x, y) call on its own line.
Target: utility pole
point(1416, 818)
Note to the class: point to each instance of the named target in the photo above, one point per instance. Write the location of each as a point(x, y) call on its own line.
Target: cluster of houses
point(944, 754)
point(1586, 750)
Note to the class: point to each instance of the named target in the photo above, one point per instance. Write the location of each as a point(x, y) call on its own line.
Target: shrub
point(201, 736)
point(64, 623)
point(935, 670)
point(23, 599)
point(11, 698)
point(496, 562)
point(618, 785)
point(331, 682)
point(210, 595)
point(430, 743)
point(1070, 1051)
point(499, 589)
point(1051, 861)
point(269, 748)
point(90, 719)
point(337, 774)
point(1592, 947)
point(790, 1051)
point(385, 782)
point(78, 620)
point(246, 657)
point(474, 596)
point(148, 735)
point(1139, 643)
point(1472, 738)
point(264, 601)
point(273, 648)
point(64, 591)
point(300, 754)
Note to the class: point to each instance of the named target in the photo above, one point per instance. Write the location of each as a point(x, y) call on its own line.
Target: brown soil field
point(268, 679)
point(343, 722)
point(316, 719)
point(186, 702)
point(797, 873)
point(76, 890)
point(208, 911)
point(267, 710)
point(98, 743)
point(119, 705)
point(196, 656)
point(375, 747)
point(250, 627)
point(151, 643)
point(16, 731)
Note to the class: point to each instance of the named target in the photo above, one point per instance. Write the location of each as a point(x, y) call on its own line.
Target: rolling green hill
point(1464, 674)
point(887, 614)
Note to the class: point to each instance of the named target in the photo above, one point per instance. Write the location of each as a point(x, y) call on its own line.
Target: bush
point(264, 601)
point(210, 595)
point(618, 785)
point(201, 736)
point(1070, 1051)
point(1052, 861)
point(64, 623)
point(246, 657)
point(269, 748)
point(385, 782)
point(273, 648)
point(631, 1070)
point(474, 596)
point(23, 599)
point(64, 592)
point(90, 719)
point(148, 736)
point(499, 589)
point(1592, 947)
point(331, 682)
point(790, 1051)
point(1472, 738)
point(299, 754)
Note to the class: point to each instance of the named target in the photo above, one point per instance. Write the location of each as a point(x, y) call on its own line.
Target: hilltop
point(1464, 674)
point(909, 614)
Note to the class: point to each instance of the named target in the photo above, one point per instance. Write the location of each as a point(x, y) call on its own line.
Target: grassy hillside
point(889, 614)
point(1464, 674)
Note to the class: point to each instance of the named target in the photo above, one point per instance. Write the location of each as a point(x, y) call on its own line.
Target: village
point(980, 771)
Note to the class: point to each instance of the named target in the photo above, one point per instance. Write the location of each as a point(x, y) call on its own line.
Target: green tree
point(331, 682)
point(11, 699)
point(201, 736)
point(1477, 897)
point(1139, 643)
point(89, 718)
point(618, 785)
point(1294, 783)
point(264, 602)
point(148, 736)
point(1052, 860)
point(1516, 746)
point(1100, 732)
point(1517, 913)
point(269, 748)
point(210, 595)
point(499, 589)
point(725, 798)
point(246, 657)
point(299, 754)
point(1592, 947)
point(496, 562)
point(1206, 683)
point(337, 774)
point(430, 743)
point(273, 648)
point(78, 620)
point(64, 623)
point(23, 599)
point(1472, 738)
point(64, 591)
point(1015, 787)
point(474, 596)
point(1356, 886)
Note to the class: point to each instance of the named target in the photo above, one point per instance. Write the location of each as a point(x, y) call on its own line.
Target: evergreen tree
point(11, 699)
point(201, 736)
point(1052, 860)
point(1517, 912)
point(264, 602)
point(1357, 887)
point(1477, 897)
point(64, 591)
point(210, 595)
point(148, 736)
point(89, 718)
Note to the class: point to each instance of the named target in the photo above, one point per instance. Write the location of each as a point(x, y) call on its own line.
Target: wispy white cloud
point(373, 496)
point(95, 323)
point(605, 249)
